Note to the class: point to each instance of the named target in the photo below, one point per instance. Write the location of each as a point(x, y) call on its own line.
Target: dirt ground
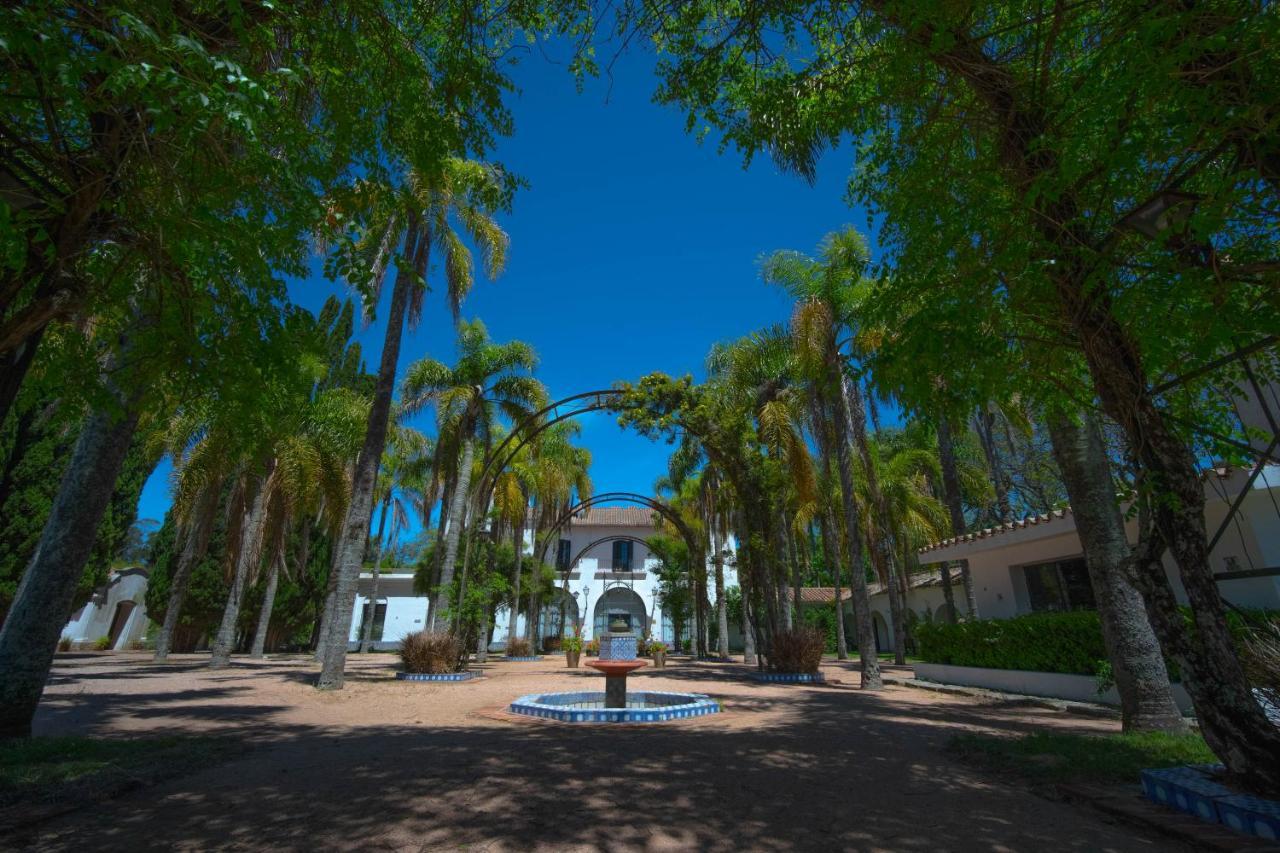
point(393, 765)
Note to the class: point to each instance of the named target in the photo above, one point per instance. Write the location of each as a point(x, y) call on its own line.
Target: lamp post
point(1164, 210)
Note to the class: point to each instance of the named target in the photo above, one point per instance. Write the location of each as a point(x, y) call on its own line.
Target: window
point(379, 619)
point(1060, 585)
point(622, 556)
point(563, 553)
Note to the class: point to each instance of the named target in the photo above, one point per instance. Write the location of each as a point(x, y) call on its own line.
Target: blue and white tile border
point(1194, 791)
point(788, 677)
point(523, 657)
point(437, 676)
point(698, 705)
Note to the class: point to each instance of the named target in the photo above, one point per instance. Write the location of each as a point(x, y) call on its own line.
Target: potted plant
point(592, 648)
point(572, 649)
point(659, 652)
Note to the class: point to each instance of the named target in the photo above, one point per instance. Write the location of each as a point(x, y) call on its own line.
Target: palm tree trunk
point(457, 520)
point(867, 659)
point(880, 543)
point(246, 561)
point(29, 636)
point(948, 594)
point(749, 656)
point(259, 650)
point(951, 491)
point(1146, 699)
point(518, 543)
point(366, 630)
point(446, 499)
point(193, 550)
point(722, 606)
point(829, 554)
point(355, 529)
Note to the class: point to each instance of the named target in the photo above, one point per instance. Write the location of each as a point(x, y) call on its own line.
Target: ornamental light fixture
point(1164, 210)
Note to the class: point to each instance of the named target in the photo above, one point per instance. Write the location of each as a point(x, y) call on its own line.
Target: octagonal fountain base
point(589, 707)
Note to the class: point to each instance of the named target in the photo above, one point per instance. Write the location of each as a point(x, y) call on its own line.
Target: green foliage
point(572, 644)
point(1039, 642)
point(1105, 759)
point(102, 643)
point(823, 619)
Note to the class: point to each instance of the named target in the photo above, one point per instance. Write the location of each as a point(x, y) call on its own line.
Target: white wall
point(93, 621)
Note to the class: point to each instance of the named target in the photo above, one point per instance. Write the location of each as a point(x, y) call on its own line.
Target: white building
point(116, 611)
point(610, 574)
point(1037, 564)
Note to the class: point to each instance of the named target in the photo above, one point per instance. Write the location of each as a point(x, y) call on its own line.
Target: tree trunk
point(879, 529)
point(355, 529)
point(948, 594)
point(829, 553)
point(437, 555)
point(14, 365)
point(868, 661)
point(366, 628)
point(259, 650)
point(518, 542)
point(722, 608)
point(457, 521)
point(749, 656)
point(247, 560)
point(951, 491)
point(1231, 720)
point(1146, 699)
point(193, 550)
point(29, 636)
point(986, 423)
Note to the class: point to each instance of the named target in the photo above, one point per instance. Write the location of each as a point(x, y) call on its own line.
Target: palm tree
point(488, 380)
point(421, 216)
point(828, 291)
point(402, 485)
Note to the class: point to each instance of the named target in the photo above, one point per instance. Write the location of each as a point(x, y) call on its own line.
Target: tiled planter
point(524, 658)
point(1193, 790)
point(788, 677)
point(437, 676)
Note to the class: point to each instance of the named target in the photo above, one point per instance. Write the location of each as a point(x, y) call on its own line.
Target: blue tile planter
point(788, 677)
point(524, 658)
point(1193, 790)
point(588, 707)
point(437, 676)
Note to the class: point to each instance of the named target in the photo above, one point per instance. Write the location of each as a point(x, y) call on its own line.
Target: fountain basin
point(589, 707)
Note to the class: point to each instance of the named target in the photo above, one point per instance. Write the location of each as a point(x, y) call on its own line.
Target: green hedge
point(1041, 642)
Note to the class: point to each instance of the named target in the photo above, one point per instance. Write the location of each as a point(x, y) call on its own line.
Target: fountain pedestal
point(617, 659)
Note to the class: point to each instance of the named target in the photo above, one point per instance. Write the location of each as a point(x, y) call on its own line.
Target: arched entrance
point(884, 640)
point(621, 602)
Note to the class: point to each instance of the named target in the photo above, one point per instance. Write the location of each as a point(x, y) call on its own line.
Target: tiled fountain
point(615, 705)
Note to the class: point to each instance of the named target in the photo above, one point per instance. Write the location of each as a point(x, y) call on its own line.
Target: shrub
point(102, 644)
point(64, 645)
point(592, 647)
point(1040, 642)
point(572, 644)
point(423, 652)
point(552, 643)
point(656, 648)
point(824, 619)
point(519, 647)
point(797, 650)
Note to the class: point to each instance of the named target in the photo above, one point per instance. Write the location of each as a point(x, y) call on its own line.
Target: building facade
point(605, 571)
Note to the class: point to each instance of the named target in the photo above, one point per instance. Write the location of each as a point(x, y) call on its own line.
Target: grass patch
point(1056, 758)
point(78, 768)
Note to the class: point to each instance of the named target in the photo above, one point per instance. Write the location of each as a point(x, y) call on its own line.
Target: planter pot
point(571, 659)
point(659, 660)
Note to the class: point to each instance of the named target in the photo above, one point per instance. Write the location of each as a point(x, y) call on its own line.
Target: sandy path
point(398, 766)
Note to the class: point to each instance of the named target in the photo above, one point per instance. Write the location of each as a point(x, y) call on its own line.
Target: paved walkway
point(399, 766)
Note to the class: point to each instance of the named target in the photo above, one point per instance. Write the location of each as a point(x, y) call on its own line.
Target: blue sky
point(633, 249)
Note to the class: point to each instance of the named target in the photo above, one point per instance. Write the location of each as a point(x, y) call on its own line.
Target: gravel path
point(401, 766)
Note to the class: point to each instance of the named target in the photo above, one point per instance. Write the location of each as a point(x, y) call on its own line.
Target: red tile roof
point(1008, 527)
point(616, 516)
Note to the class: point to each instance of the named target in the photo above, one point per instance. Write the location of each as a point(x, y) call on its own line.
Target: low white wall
point(1053, 685)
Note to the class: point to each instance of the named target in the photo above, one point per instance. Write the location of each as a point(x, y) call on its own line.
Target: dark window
point(379, 619)
point(622, 556)
point(1061, 585)
point(563, 553)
